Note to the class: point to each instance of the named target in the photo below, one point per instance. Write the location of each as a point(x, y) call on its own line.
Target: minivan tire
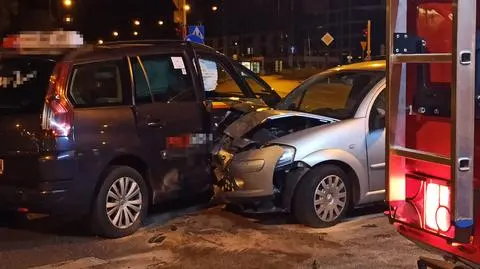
point(103, 225)
point(333, 196)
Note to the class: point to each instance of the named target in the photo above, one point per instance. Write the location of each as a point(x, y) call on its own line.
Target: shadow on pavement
point(284, 218)
point(12, 223)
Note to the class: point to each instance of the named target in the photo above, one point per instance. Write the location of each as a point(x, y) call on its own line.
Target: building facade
point(292, 30)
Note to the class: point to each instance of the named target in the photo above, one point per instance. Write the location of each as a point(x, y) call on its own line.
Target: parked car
point(319, 154)
point(107, 131)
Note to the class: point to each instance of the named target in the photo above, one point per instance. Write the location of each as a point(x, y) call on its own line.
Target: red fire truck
point(433, 128)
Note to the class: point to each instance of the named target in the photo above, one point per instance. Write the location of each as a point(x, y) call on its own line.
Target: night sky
point(98, 19)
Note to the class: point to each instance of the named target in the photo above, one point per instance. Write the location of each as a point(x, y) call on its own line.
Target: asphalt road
point(281, 86)
point(212, 237)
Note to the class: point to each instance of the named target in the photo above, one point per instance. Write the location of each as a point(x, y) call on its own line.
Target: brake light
point(58, 112)
point(437, 207)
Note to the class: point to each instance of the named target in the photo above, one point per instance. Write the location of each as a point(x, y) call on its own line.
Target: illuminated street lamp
point(135, 33)
point(214, 8)
point(136, 22)
point(68, 19)
point(160, 22)
point(115, 34)
point(67, 3)
point(187, 7)
point(100, 41)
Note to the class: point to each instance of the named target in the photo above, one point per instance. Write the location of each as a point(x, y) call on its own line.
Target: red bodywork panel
point(432, 22)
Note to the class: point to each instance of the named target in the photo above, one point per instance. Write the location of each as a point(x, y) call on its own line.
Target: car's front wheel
point(322, 197)
point(121, 203)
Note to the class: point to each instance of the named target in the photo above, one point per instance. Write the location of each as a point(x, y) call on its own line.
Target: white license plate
point(1, 167)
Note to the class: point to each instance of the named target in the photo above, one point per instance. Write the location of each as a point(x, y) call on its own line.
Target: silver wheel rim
point(124, 202)
point(330, 198)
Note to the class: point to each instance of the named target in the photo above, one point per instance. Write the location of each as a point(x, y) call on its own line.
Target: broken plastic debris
point(158, 239)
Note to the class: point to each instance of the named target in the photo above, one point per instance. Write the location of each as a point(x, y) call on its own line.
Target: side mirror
point(381, 112)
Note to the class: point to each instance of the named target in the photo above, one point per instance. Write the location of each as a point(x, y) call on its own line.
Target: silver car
point(320, 153)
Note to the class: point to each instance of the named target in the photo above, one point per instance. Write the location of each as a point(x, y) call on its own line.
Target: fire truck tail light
point(397, 190)
point(437, 207)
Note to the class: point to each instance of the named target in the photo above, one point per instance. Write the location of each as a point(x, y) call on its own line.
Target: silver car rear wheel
point(330, 198)
point(124, 202)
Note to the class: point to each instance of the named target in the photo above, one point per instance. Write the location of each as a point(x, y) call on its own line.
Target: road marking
point(74, 264)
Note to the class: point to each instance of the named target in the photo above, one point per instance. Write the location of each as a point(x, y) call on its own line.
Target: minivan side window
point(163, 78)
point(255, 85)
point(218, 80)
point(96, 84)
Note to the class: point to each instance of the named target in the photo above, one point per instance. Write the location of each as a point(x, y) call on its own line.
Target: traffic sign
point(327, 39)
point(364, 45)
point(196, 34)
point(293, 49)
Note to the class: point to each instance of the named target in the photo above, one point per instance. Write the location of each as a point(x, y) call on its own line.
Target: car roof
point(116, 49)
point(379, 65)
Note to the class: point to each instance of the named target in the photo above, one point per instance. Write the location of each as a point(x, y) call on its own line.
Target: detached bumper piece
point(246, 176)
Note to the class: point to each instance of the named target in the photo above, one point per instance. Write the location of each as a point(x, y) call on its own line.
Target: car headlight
point(287, 157)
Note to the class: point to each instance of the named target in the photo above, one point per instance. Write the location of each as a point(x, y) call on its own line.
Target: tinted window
point(142, 91)
point(217, 79)
point(97, 84)
point(252, 82)
point(23, 84)
point(377, 114)
point(334, 95)
point(167, 76)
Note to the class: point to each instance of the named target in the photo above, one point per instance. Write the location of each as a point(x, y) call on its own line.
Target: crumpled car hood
point(248, 122)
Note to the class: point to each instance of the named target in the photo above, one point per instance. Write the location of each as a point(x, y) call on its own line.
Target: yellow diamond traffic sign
point(327, 39)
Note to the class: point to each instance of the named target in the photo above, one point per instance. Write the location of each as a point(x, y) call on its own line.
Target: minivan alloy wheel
point(330, 198)
point(124, 202)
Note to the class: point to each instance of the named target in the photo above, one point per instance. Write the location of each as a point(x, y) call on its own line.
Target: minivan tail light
point(58, 112)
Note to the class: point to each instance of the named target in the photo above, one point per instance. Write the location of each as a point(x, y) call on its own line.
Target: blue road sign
point(293, 49)
point(196, 34)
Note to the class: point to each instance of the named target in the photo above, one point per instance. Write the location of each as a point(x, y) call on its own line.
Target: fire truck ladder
point(403, 50)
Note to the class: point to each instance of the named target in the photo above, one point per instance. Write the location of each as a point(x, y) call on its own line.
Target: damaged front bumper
point(248, 175)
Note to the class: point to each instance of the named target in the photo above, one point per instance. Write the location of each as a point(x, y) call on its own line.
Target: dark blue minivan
point(107, 131)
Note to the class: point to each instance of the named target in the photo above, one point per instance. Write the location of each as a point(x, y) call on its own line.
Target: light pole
point(369, 47)
point(185, 9)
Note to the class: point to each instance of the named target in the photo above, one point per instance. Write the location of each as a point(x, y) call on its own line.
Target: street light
point(136, 22)
point(135, 33)
point(214, 8)
point(67, 3)
point(68, 19)
point(115, 34)
point(160, 22)
point(187, 7)
point(100, 41)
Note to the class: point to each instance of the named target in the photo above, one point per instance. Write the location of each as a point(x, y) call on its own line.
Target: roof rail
point(147, 41)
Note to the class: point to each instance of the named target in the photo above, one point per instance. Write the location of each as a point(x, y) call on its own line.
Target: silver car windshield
point(334, 94)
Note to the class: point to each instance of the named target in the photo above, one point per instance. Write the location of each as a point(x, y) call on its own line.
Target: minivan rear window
point(23, 83)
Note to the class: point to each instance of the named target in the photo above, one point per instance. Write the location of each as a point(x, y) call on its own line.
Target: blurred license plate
point(1, 167)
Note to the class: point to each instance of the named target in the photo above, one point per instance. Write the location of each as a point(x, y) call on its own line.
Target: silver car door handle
point(377, 166)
